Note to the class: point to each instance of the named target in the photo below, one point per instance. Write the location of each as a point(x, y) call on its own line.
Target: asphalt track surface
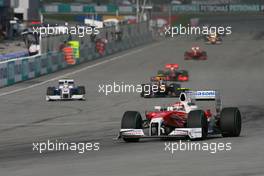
point(235, 68)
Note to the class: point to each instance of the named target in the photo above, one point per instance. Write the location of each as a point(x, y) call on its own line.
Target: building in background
point(6, 17)
point(27, 10)
point(15, 12)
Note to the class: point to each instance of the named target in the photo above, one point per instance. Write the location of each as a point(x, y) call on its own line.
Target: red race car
point(195, 54)
point(183, 119)
point(171, 73)
point(213, 38)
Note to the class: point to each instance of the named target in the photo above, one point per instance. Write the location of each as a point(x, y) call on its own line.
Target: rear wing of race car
point(183, 89)
point(158, 78)
point(172, 66)
point(204, 95)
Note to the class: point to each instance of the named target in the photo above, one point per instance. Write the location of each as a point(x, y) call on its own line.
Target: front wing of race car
point(59, 97)
point(213, 41)
point(174, 92)
point(190, 56)
point(192, 133)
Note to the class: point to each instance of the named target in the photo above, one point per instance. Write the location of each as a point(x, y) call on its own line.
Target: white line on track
point(78, 71)
point(12, 125)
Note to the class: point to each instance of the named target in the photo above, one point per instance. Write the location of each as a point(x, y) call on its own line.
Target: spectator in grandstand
point(100, 45)
point(63, 45)
point(93, 36)
point(2, 33)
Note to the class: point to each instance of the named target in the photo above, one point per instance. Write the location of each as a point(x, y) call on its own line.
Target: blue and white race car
point(66, 90)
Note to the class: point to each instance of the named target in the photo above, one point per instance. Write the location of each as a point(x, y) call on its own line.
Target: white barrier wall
point(22, 69)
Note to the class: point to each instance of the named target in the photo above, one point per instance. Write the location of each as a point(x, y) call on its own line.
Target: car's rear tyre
point(203, 55)
point(131, 120)
point(161, 72)
point(186, 56)
point(145, 94)
point(230, 122)
point(173, 90)
point(197, 119)
point(142, 93)
point(81, 90)
point(51, 91)
point(185, 73)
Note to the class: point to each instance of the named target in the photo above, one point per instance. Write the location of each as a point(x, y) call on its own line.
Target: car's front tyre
point(197, 119)
point(230, 122)
point(131, 120)
point(81, 90)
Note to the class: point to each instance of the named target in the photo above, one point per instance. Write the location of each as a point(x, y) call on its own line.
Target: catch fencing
point(85, 8)
point(232, 8)
point(22, 69)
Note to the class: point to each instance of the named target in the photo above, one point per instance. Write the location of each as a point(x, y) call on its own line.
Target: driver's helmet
point(157, 78)
point(195, 48)
point(65, 85)
point(104, 40)
point(213, 35)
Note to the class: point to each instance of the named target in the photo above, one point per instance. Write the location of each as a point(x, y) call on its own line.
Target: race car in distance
point(172, 73)
point(183, 119)
point(213, 38)
point(159, 87)
point(195, 54)
point(66, 90)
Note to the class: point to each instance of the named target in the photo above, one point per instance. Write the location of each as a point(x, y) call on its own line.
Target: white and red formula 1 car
point(183, 119)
